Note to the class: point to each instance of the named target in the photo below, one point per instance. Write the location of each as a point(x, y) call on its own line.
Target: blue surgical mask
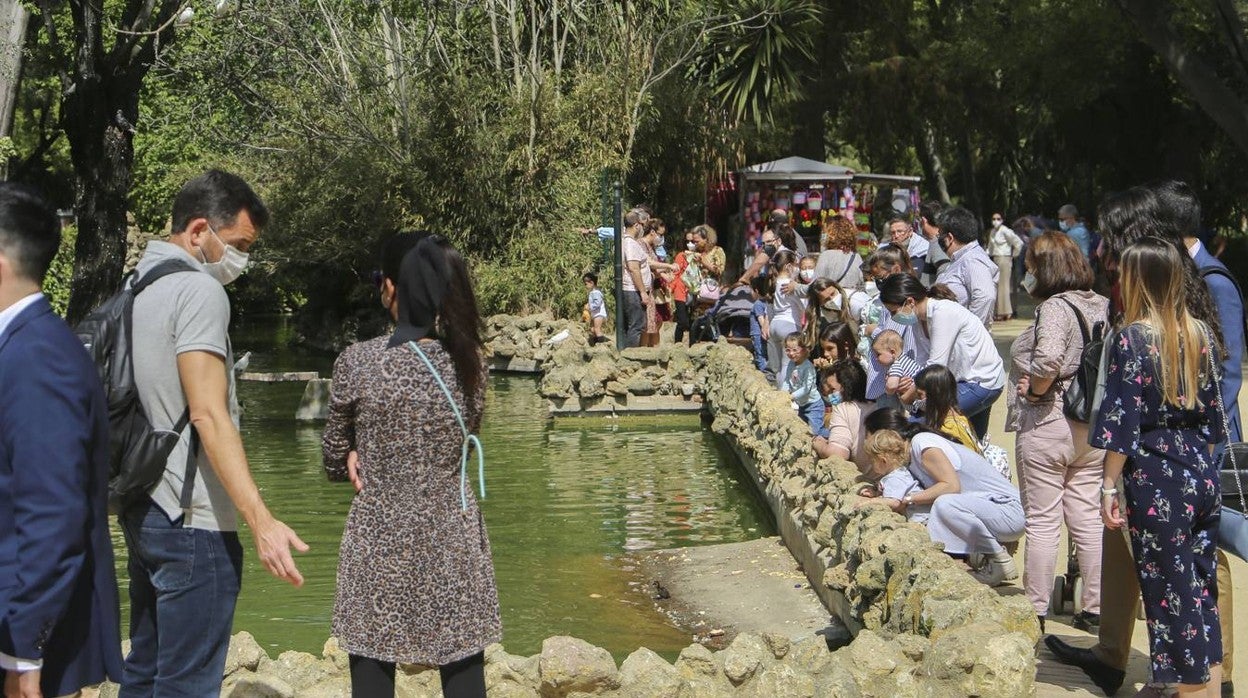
point(1065, 225)
point(1029, 282)
point(833, 399)
point(906, 318)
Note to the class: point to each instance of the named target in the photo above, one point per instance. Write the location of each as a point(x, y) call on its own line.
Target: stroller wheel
point(1057, 600)
point(1076, 595)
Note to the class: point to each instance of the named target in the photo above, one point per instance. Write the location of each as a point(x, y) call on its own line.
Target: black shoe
point(1228, 689)
point(1107, 678)
point(1087, 622)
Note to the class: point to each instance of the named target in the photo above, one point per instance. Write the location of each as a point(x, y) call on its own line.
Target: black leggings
point(682, 321)
point(373, 678)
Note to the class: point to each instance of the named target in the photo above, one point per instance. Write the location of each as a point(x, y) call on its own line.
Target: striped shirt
point(904, 366)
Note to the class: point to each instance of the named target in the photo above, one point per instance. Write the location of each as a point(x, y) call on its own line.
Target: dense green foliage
point(492, 122)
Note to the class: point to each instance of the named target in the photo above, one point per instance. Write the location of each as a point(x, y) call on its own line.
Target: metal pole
point(619, 265)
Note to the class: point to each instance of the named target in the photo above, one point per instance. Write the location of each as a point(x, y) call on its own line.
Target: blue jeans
point(183, 586)
point(975, 401)
point(813, 414)
point(759, 346)
point(634, 318)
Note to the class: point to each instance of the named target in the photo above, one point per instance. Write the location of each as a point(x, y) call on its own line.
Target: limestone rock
point(501, 668)
point(744, 658)
point(299, 669)
point(244, 653)
point(616, 388)
point(872, 661)
point(782, 680)
point(809, 654)
point(417, 682)
point(641, 386)
point(778, 644)
point(644, 674)
point(569, 664)
point(707, 687)
point(696, 660)
point(984, 660)
point(334, 687)
point(248, 684)
point(335, 655)
point(649, 355)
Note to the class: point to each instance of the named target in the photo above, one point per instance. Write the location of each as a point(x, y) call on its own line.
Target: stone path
point(750, 587)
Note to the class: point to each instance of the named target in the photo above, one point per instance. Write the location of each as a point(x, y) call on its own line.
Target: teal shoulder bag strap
point(470, 440)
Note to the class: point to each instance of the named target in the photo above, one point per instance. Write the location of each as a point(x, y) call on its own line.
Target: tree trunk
point(13, 18)
point(966, 161)
point(929, 156)
point(1220, 101)
point(103, 158)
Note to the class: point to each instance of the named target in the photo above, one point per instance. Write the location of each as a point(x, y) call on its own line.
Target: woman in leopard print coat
point(415, 575)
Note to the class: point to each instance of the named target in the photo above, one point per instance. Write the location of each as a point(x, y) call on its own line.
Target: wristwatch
point(908, 500)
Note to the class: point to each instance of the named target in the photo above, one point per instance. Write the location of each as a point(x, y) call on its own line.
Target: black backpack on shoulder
point(138, 452)
point(1077, 400)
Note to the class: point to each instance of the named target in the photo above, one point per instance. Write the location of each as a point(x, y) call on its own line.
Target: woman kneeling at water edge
point(974, 508)
point(415, 576)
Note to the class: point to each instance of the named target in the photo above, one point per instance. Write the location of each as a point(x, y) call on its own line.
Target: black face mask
point(769, 250)
point(943, 241)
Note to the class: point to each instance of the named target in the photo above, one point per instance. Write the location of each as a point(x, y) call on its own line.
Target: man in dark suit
point(58, 592)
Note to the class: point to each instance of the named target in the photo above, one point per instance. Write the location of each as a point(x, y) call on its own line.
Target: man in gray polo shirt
point(186, 564)
point(971, 275)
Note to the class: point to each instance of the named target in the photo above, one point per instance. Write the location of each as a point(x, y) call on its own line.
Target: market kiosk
point(811, 192)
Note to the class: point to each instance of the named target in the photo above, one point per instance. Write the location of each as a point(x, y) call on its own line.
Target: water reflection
point(567, 502)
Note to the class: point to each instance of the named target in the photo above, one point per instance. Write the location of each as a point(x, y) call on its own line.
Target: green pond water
point(569, 504)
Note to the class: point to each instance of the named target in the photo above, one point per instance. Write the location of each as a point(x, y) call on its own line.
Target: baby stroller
point(729, 317)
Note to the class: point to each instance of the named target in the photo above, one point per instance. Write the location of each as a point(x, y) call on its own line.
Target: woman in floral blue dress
point(1158, 419)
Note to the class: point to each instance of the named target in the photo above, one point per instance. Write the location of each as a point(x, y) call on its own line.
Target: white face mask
point(231, 264)
point(808, 275)
point(832, 304)
point(691, 246)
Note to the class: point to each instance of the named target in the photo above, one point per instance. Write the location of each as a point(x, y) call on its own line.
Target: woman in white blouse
point(1003, 247)
point(947, 334)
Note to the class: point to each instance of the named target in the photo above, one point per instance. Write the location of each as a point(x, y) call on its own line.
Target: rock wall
point(877, 572)
point(753, 666)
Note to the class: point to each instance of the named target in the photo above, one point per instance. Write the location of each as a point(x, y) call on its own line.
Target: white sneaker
point(996, 571)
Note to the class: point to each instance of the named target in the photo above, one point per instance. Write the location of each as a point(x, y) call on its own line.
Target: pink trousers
point(1060, 478)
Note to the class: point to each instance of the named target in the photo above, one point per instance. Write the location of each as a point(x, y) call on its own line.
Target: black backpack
point(138, 452)
point(1077, 399)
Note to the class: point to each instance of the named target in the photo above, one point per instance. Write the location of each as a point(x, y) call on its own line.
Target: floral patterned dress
point(1173, 504)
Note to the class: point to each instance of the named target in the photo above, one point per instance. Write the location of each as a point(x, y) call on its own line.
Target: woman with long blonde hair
point(1159, 418)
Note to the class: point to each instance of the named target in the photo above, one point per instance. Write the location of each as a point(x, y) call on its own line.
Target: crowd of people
point(891, 362)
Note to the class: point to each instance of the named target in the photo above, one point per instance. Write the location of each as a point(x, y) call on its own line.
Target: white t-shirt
point(634, 251)
point(597, 304)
